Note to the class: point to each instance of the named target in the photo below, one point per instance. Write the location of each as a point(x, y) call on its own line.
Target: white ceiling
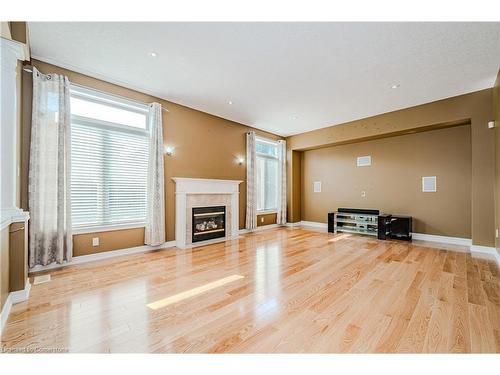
point(286, 78)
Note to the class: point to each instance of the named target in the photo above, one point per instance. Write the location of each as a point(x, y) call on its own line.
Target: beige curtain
point(49, 171)
point(154, 233)
point(281, 212)
point(251, 211)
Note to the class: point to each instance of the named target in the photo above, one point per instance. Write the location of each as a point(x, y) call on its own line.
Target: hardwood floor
point(281, 290)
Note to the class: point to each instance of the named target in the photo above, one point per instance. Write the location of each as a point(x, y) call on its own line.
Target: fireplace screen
point(209, 223)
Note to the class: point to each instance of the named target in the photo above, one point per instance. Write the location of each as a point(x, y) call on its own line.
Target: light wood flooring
point(280, 290)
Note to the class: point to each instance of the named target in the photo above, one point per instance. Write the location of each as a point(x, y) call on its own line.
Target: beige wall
point(393, 183)
point(496, 109)
point(187, 130)
point(266, 219)
point(18, 256)
point(112, 240)
point(294, 193)
point(4, 266)
point(474, 108)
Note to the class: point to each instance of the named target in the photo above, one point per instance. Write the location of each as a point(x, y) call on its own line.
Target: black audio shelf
point(360, 221)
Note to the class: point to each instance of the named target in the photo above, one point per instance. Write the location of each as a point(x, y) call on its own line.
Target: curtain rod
point(29, 69)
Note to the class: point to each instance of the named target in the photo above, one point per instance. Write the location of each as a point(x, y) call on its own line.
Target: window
point(267, 174)
point(109, 160)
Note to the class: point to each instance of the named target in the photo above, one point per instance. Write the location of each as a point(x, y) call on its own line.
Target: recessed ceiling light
point(395, 86)
point(230, 102)
point(153, 54)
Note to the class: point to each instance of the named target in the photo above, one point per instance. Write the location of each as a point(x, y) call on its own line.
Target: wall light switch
point(496, 233)
point(363, 193)
point(261, 219)
point(95, 241)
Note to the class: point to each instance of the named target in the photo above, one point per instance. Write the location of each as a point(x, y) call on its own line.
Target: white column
point(180, 220)
point(11, 51)
point(235, 214)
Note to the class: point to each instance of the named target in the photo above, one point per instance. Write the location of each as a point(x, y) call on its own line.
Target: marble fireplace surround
point(202, 192)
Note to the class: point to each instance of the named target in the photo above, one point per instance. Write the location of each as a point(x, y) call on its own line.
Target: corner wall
point(393, 183)
point(474, 108)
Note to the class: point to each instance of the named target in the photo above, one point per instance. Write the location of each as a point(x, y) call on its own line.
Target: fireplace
point(200, 192)
point(208, 223)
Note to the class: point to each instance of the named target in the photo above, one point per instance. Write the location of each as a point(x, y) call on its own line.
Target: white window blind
point(109, 160)
point(267, 174)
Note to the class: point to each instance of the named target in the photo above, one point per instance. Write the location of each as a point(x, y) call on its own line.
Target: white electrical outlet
point(363, 193)
point(95, 241)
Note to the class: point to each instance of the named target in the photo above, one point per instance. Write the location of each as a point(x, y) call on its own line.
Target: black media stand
point(369, 222)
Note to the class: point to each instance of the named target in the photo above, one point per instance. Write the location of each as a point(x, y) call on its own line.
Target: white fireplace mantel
point(189, 186)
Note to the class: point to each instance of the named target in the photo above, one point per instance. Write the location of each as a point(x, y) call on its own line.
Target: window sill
point(266, 212)
point(107, 228)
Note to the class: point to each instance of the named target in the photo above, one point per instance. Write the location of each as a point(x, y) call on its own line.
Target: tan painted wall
point(294, 192)
point(4, 266)
point(475, 108)
point(266, 219)
point(496, 109)
point(18, 256)
point(393, 183)
point(19, 31)
point(189, 131)
point(112, 240)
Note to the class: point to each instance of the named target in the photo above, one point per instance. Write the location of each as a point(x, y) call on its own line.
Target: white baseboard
point(21, 295)
point(314, 224)
point(104, 255)
point(485, 252)
point(4, 315)
point(415, 236)
point(263, 227)
point(442, 239)
point(13, 298)
point(467, 242)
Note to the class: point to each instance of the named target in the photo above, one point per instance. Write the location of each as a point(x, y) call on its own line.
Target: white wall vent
point(429, 184)
point(364, 161)
point(317, 186)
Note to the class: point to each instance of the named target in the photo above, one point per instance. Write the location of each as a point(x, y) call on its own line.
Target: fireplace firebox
point(208, 223)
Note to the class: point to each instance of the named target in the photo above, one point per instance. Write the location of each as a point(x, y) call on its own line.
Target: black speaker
point(383, 226)
point(331, 222)
point(401, 227)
